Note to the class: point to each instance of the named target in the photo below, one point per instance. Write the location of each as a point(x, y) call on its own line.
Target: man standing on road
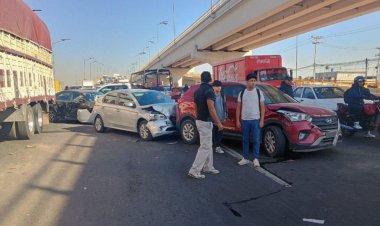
point(204, 99)
point(252, 109)
point(286, 87)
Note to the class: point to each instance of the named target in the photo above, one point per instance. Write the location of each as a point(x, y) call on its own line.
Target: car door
point(62, 100)
point(108, 109)
point(308, 96)
point(231, 94)
point(73, 105)
point(127, 113)
point(298, 94)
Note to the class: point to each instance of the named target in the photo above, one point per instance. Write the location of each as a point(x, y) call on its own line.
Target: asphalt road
point(70, 175)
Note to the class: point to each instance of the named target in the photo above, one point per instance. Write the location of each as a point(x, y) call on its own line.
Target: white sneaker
point(219, 150)
point(357, 126)
point(256, 163)
point(243, 162)
point(211, 171)
point(196, 175)
point(369, 135)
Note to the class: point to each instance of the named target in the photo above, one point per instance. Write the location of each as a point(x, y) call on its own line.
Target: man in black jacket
point(286, 87)
point(204, 99)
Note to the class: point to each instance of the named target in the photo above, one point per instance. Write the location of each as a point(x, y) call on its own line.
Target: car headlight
point(155, 117)
point(295, 116)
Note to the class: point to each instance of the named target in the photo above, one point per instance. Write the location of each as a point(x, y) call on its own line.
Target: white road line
point(268, 174)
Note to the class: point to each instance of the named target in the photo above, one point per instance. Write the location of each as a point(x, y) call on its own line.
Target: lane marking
point(266, 173)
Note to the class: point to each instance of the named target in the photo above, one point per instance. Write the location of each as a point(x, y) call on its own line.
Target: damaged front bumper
point(161, 127)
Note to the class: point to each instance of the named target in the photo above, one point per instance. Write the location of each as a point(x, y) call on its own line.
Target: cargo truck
point(268, 67)
point(26, 72)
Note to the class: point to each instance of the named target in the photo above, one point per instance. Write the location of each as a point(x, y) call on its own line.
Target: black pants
point(217, 136)
point(357, 115)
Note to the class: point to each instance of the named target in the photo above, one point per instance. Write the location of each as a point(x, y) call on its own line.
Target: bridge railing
point(201, 19)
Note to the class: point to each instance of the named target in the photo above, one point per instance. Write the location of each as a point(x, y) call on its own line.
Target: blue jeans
point(251, 127)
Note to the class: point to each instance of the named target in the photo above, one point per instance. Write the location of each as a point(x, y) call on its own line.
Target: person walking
point(221, 111)
point(204, 99)
point(252, 109)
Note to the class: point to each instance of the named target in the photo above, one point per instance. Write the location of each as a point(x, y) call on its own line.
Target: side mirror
point(130, 104)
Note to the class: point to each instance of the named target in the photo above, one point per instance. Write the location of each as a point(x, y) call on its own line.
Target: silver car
point(147, 112)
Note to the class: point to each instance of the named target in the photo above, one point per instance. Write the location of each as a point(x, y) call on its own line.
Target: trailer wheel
point(25, 129)
point(37, 110)
point(9, 130)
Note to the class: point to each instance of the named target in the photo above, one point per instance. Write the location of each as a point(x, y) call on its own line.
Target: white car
point(322, 96)
point(111, 87)
point(147, 112)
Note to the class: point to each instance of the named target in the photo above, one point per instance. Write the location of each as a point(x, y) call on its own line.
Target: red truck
point(289, 125)
point(269, 68)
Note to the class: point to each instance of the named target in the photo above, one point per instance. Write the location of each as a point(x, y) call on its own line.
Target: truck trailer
point(269, 69)
point(26, 71)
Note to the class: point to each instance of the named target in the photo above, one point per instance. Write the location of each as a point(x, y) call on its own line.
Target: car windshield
point(274, 96)
point(328, 92)
point(151, 97)
point(91, 96)
point(273, 74)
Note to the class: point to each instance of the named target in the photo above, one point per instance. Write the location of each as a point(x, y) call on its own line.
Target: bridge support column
point(178, 74)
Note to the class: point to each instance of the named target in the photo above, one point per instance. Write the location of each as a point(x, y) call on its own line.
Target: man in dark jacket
point(286, 87)
point(355, 97)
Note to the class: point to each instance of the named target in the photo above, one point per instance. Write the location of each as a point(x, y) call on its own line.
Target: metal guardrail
point(201, 19)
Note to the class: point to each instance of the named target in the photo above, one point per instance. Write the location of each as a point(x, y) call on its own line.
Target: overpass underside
point(237, 26)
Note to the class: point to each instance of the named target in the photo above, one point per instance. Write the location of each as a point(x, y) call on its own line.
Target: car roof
point(318, 86)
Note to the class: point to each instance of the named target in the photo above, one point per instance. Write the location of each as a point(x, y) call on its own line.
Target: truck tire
point(37, 110)
point(274, 141)
point(25, 129)
point(189, 132)
point(9, 130)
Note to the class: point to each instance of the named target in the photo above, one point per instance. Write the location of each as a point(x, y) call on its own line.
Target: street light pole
point(165, 22)
point(84, 67)
point(52, 44)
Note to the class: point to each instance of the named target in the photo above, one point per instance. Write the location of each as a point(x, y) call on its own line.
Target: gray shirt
point(250, 105)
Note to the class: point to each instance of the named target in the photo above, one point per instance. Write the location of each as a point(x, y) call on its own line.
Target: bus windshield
point(151, 78)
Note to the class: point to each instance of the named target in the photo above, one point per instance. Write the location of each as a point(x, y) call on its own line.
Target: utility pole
point(378, 63)
point(315, 43)
point(173, 23)
point(296, 57)
point(366, 68)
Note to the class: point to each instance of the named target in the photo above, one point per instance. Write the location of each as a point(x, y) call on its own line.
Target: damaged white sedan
point(147, 112)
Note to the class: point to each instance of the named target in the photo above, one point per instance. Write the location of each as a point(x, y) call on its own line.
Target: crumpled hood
point(303, 108)
point(167, 109)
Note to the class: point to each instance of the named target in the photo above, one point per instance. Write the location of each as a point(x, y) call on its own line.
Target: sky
point(115, 32)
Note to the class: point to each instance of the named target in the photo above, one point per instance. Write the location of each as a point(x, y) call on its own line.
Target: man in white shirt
point(251, 108)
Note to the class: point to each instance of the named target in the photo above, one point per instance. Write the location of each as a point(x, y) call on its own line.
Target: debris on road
point(30, 146)
point(314, 221)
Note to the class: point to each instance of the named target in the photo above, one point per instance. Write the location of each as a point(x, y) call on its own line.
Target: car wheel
point(53, 116)
point(99, 124)
point(144, 131)
point(189, 132)
point(274, 141)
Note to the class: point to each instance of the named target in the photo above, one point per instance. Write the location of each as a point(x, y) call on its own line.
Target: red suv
point(289, 125)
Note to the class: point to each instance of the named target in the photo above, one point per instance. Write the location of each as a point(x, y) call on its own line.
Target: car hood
point(167, 109)
point(303, 108)
point(330, 103)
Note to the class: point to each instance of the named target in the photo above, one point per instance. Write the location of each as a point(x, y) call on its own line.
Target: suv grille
point(326, 123)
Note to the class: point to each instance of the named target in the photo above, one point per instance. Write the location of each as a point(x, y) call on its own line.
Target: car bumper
point(84, 116)
point(161, 127)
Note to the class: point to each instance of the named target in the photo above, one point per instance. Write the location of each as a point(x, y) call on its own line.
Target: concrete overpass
point(233, 27)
